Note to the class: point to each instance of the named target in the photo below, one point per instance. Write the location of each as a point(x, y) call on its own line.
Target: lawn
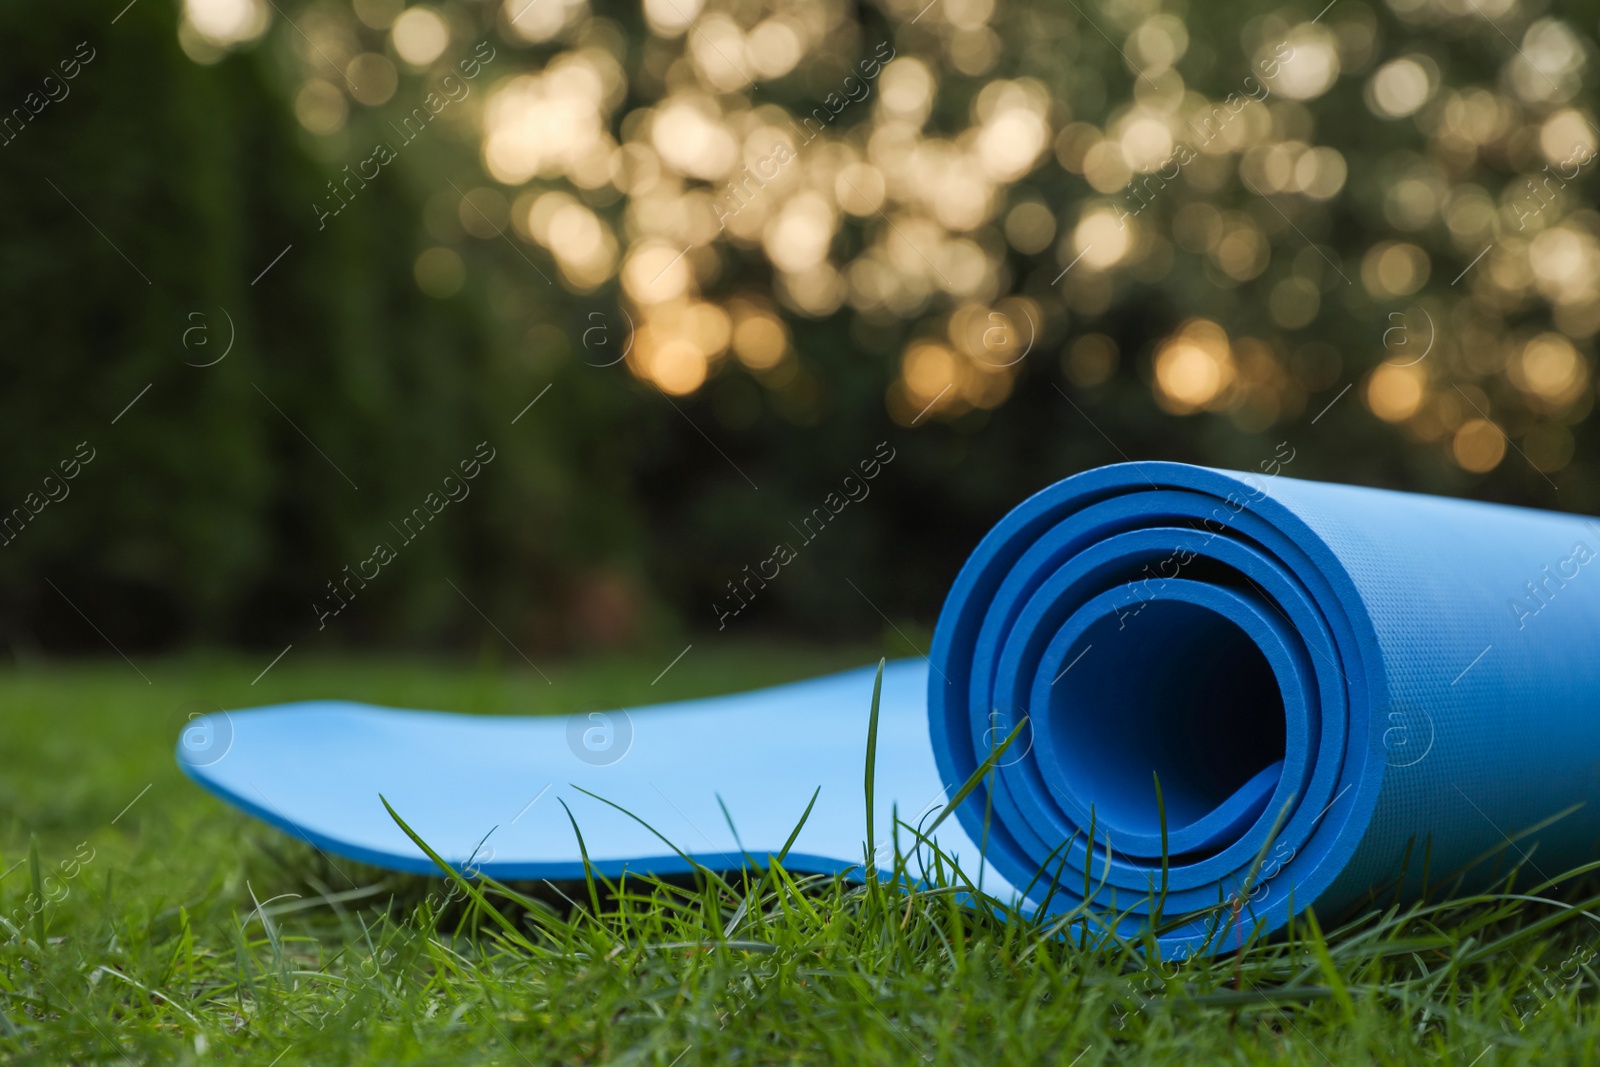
point(176, 930)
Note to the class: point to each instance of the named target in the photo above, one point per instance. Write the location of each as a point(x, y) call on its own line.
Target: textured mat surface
point(485, 791)
point(1331, 684)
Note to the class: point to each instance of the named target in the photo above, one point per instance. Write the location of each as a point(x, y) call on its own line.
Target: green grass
point(179, 931)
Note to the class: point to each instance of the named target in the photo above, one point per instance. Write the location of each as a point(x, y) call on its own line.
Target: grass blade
point(460, 879)
point(872, 772)
point(977, 776)
point(795, 833)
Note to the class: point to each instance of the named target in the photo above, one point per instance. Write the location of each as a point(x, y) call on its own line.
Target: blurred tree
point(158, 215)
point(727, 247)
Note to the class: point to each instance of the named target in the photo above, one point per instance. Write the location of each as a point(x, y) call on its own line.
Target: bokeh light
point(420, 35)
point(227, 22)
point(737, 171)
point(1401, 86)
point(440, 272)
point(1394, 392)
point(1194, 367)
point(1479, 445)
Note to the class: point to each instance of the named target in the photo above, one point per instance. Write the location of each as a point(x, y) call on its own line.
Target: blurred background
point(580, 310)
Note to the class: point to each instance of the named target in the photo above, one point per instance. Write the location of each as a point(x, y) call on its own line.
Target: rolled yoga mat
point(1338, 690)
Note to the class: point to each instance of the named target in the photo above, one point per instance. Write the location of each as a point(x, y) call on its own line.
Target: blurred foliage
point(724, 248)
point(208, 514)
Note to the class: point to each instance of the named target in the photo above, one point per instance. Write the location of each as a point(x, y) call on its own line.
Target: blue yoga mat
point(1337, 690)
